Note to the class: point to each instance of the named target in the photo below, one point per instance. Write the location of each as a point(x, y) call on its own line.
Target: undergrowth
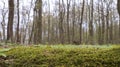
point(64, 56)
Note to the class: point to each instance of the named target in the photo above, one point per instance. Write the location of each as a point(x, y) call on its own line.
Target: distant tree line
point(64, 22)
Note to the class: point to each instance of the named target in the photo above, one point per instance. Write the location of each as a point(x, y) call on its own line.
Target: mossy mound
point(64, 56)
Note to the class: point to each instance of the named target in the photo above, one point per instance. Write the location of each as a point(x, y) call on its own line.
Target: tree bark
point(38, 23)
point(61, 19)
point(68, 29)
point(49, 22)
point(81, 21)
point(10, 21)
point(118, 6)
point(91, 38)
point(18, 40)
point(73, 21)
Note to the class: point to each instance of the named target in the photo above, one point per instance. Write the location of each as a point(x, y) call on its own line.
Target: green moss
point(64, 56)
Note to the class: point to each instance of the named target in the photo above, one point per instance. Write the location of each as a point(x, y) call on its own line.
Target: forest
point(60, 33)
point(60, 22)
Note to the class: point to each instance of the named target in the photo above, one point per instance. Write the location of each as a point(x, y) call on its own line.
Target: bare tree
point(10, 21)
point(61, 18)
point(49, 19)
point(4, 12)
point(81, 21)
point(73, 20)
point(118, 6)
point(91, 23)
point(17, 33)
point(68, 13)
point(38, 24)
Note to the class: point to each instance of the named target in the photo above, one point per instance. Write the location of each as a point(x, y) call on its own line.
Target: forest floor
point(60, 56)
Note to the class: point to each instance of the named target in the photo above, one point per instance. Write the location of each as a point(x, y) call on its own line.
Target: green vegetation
point(64, 56)
point(3, 56)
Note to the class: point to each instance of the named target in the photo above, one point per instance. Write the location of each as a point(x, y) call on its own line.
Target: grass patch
point(64, 56)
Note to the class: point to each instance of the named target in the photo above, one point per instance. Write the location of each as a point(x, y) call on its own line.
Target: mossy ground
point(64, 56)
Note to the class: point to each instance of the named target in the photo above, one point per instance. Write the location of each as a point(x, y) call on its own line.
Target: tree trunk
point(107, 25)
point(91, 38)
point(49, 20)
point(18, 40)
point(81, 21)
point(10, 21)
point(73, 21)
point(119, 29)
point(118, 6)
point(61, 18)
point(68, 30)
point(38, 23)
